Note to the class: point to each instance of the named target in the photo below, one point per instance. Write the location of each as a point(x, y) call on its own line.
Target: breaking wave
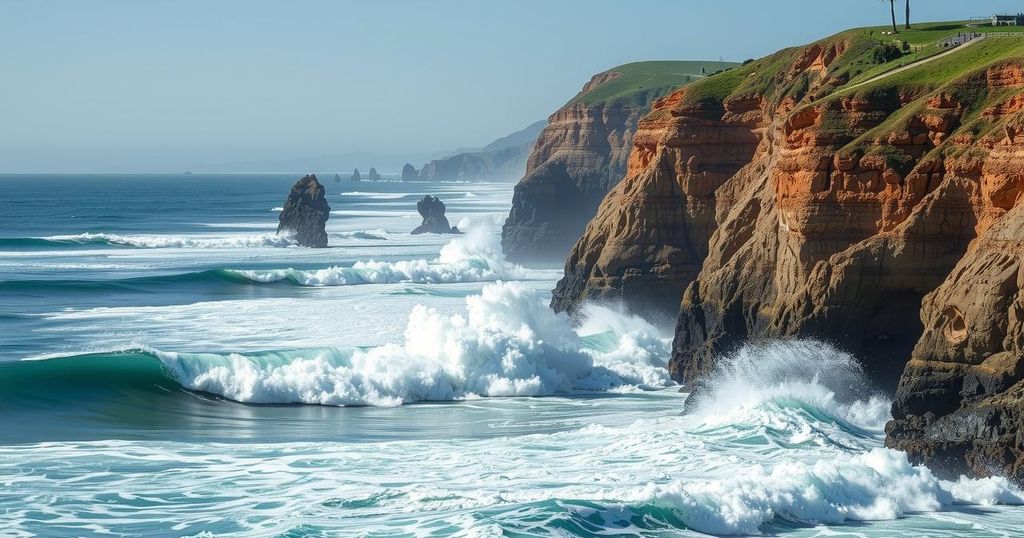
point(879, 484)
point(507, 343)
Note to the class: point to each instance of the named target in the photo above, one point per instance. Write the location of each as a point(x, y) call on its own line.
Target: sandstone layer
point(787, 199)
point(580, 156)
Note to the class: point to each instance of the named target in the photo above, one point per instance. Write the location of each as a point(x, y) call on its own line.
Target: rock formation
point(581, 155)
point(337, 177)
point(409, 173)
point(959, 406)
point(785, 199)
point(355, 176)
point(305, 213)
point(432, 210)
point(501, 160)
point(373, 175)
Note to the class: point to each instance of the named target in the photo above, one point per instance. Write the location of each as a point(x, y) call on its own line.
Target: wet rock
point(432, 210)
point(305, 213)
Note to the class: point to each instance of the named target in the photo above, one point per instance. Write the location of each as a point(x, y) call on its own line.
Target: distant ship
point(188, 173)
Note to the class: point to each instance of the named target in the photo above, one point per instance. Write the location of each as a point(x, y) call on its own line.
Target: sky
point(157, 86)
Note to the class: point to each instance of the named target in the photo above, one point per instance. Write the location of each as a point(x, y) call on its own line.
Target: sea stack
point(374, 176)
point(355, 176)
point(305, 213)
point(432, 210)
point(409, 173)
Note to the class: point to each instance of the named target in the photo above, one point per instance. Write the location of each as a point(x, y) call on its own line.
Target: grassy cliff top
point(856, 68)
point(639, 83)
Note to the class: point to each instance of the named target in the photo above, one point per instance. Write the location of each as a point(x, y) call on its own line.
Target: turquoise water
point(171, 367)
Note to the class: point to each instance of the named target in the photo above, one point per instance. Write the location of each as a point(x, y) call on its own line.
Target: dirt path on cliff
point(917, 63)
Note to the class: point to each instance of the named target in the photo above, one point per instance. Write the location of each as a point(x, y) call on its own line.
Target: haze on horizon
point(162, 86)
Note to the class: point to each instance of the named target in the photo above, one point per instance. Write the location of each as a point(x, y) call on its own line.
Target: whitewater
point(192, 373)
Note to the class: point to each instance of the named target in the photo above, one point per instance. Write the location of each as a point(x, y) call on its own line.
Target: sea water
point(170, 366)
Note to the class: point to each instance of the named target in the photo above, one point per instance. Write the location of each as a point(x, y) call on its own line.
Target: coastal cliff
point(582, 153)
point(501, 160)
point(804, 195)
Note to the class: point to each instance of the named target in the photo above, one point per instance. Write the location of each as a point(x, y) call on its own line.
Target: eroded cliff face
point(867, 203)
point(786, 200)
point(578, 157)
point(581, 155)
point(960, 402)
point(650, 234)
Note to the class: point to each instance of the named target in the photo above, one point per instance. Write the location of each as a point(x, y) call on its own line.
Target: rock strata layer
point(783, 199)
point(578, 158)
point(305, 213)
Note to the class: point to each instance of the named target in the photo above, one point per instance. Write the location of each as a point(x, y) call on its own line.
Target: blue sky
point(171, 85)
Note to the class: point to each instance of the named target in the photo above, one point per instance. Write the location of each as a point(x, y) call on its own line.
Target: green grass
point(936, 72)
point(961, 74)
point(769, 76)
point(642, 82)
point(930, 32)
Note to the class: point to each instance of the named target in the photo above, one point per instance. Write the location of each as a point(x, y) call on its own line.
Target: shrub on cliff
point(884, 53)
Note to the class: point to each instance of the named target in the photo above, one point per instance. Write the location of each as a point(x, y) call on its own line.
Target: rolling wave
point(508, 343)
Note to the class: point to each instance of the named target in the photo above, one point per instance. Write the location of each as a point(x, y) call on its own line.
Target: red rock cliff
point(785, 199)
point(581, 155)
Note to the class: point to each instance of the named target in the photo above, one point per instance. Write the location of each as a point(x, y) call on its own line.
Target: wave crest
point(804, 375)
point(880, 484)
point(508, 343)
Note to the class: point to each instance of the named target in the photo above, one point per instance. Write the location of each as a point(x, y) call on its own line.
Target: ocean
point(169, 366)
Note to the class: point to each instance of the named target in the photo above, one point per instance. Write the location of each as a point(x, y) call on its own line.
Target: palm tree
point(907, 23)
point(892, 11)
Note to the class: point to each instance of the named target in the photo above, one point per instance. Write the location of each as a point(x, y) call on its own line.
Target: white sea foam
point(761, 379)
point(508, 343)
point(179, 241)
point(474, 257)
point(879, 484)
point(185, 241)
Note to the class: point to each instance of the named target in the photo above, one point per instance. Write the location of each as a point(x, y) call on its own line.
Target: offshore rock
point(432, 210)
point(409, 173)
point(305, 213)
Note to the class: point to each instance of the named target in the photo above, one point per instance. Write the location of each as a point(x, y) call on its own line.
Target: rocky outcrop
point(305, 213)
point(337, 178)
point(373, 175)
point(355, 176)
point(578, 158)
point(409, 173)
point(434, 221)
